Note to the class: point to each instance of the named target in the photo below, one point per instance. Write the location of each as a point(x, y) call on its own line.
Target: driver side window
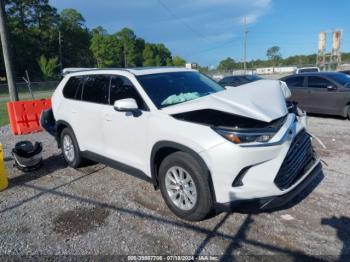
point(318, 82)
point(121, 88)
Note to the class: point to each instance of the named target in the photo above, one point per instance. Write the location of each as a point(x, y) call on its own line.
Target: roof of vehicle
point(135, 71)
point(310, 67)
point(239, 76)
point(325, 73)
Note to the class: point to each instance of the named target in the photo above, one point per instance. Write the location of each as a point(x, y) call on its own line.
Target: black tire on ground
point(204, 204)
point(349, 112)
point(76, 162)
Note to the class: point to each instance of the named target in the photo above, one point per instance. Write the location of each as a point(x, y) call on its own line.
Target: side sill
point(116, 165)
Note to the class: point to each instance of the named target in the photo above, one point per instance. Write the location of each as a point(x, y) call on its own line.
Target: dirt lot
point(100, 211)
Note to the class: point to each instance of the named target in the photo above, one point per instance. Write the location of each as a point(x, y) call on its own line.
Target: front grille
point(298, 159)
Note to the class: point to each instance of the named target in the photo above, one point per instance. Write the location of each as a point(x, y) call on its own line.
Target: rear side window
point(297, 81)
point(318, 82)
point(96, 89)
point(73, 87)
point(121, 87)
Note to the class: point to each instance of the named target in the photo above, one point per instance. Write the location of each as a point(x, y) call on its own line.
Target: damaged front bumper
point(313, 178)
point(264, 172)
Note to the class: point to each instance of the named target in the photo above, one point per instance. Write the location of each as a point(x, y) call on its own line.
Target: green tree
point(132, 47)
point(149, 55)
point(227, 64)
point(274, 55)
point(75, 39)
point(33, 26)
point(169, 61)
point(48, 67)
point(178, 61)
point(156, 55)
point(163, 55)
point(106, 49)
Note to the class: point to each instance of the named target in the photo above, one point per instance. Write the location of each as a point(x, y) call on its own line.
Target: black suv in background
point(321, 92)
point(347, 72)
point(238, 80)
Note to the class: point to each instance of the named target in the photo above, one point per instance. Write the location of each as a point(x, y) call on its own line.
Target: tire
point(71, 153)
point(192, 198)
point(349, 112)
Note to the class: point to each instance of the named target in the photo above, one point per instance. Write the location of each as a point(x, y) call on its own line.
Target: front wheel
point(185, 187)
point(70, 148)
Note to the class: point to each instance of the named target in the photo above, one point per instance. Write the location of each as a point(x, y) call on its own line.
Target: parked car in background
point(202, 145)
point(347, 72)
point(303, 70)
point(217, 78)
point(321, 93)
point(239, 80)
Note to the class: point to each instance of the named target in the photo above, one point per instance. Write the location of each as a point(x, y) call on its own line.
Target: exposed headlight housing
point(244, 137)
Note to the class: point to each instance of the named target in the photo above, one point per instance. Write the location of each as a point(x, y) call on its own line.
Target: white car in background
point(302, 70)
point(203, 145)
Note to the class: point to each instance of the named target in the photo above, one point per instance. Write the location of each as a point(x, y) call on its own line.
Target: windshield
point(167, 89)
point(340, 78)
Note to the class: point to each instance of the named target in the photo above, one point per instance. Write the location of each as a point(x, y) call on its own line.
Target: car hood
point(262, 100)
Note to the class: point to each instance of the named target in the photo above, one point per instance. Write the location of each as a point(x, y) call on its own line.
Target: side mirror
point(285, 90)
point(331, 88)
point(126, 105)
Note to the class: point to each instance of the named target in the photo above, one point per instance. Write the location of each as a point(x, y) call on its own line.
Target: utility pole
point(7, 53)
point(245, 45)
point(60, 50)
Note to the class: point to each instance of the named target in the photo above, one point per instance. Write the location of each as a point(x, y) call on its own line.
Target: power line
point(198, 34)
point(213, 48)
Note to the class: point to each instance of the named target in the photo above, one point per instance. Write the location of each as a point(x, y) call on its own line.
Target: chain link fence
point(42, 89)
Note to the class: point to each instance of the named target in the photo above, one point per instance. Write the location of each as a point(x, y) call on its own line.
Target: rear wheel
point(70, 148)
point(185, 186)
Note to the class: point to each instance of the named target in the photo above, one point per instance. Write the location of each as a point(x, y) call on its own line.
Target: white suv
point(203, 145)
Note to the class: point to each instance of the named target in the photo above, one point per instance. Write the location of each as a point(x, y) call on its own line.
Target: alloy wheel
point(181, 188)
point(68, 148)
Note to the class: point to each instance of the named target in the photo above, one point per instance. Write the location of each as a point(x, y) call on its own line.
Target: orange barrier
point(25, 115)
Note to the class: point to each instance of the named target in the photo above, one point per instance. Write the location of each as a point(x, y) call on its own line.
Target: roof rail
point(69, 70)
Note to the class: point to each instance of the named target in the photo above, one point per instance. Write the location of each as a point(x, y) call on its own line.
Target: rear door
point(299, 90)
point(322, 99)
point(89, 114)
point(69, 109)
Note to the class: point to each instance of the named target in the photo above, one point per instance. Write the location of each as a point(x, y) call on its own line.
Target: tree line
point(44, 41)
point(274, 59)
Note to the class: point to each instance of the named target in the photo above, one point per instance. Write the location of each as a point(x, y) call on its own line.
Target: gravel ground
point(100, 211)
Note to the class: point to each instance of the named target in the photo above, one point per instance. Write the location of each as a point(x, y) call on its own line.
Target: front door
point(125, 134)
point(321, 99)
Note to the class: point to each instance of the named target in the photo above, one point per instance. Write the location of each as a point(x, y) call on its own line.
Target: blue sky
point(207, 31)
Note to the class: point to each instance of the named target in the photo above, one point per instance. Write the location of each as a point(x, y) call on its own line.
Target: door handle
point(74, 112)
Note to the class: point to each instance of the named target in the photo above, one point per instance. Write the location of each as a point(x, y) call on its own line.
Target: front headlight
point(244, 137)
